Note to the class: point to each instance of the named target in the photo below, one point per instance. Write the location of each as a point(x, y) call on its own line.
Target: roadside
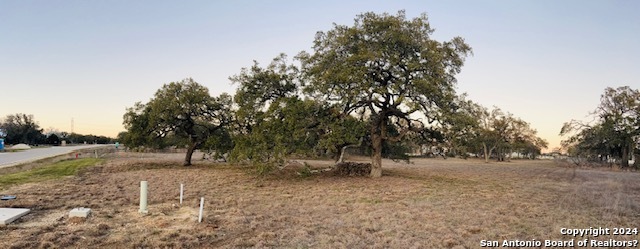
point(32, 155)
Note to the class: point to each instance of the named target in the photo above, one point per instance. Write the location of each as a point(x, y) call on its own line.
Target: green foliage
point(387, 66)
point(339, 131)
point(615, 132)
point(54, 171)
point(21, 128)
point(273, 122)
point(305, 171)
point(139, 130)
point(263, 168)
point(286, 128)
point(180, 113)
point(474, 128)
point(79, 139)
point(219, 144)
point(258, 87)
point(459, 129)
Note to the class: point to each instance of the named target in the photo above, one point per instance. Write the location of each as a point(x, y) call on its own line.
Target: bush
point(305, 171)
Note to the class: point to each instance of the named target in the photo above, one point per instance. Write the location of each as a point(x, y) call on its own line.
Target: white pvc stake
point(181, 191)
point(143, 197)
point(96, 151)
point(201, 208)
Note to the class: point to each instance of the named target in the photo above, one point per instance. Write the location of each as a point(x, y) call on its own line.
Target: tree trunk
point(342, 152)
point(486, 153)
point(625, 156)
point(187, 157)
point(376, 163)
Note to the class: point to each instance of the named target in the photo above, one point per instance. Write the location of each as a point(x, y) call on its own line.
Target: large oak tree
point(388, 67)
point(616, 130)
point(182, 110)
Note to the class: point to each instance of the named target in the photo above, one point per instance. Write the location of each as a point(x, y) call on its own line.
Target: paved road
point(13, 158)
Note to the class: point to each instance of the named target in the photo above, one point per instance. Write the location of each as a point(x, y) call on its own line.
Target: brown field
point(432, 203)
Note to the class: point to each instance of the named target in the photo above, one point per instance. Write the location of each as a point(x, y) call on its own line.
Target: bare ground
point(432, 203)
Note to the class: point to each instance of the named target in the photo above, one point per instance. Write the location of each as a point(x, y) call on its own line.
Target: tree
point(258, 87)
point(64, 135)
point(497, 131)
point(461, 127)
point(289, 126)
point(139, 130)
point(490, 135)
point(616, 131)
point(53, 139)
point(388, 67)
point(21, 128)
point(265, 98)
point(339, 133)
point(275, 120)
point(219, 144)
point(183, 110)
point(620, 108)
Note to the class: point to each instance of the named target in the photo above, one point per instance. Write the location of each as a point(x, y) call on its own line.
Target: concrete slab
point(8, 215)
point(80, 212)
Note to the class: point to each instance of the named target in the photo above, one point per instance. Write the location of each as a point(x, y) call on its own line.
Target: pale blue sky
point(545, 61)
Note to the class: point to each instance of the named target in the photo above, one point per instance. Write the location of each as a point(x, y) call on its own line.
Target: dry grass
point(433, 203)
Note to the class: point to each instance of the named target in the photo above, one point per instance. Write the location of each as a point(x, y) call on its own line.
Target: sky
point(85, 62)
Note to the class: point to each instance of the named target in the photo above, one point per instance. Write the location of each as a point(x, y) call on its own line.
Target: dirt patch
point(432, 203)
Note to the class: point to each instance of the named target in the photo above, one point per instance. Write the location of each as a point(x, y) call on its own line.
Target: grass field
point(54, 171)
point(431, 203)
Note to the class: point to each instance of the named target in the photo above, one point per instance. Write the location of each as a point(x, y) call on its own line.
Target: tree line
point(383, 85)
point(22, 128)
point(613, 135)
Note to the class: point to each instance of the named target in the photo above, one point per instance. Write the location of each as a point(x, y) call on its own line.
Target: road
point(8, 159)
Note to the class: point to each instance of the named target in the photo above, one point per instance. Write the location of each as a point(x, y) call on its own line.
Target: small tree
point(492, 124)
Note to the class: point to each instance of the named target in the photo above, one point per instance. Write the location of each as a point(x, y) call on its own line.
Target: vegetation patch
point(53, 171)
point(353, 169)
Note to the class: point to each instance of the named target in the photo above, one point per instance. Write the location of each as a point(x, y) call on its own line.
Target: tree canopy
point(382, 84)
point(475, 128)
point(181, 110)
point(21, 128)
point(274, 121)
point(388, 67)
point(615, 132)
